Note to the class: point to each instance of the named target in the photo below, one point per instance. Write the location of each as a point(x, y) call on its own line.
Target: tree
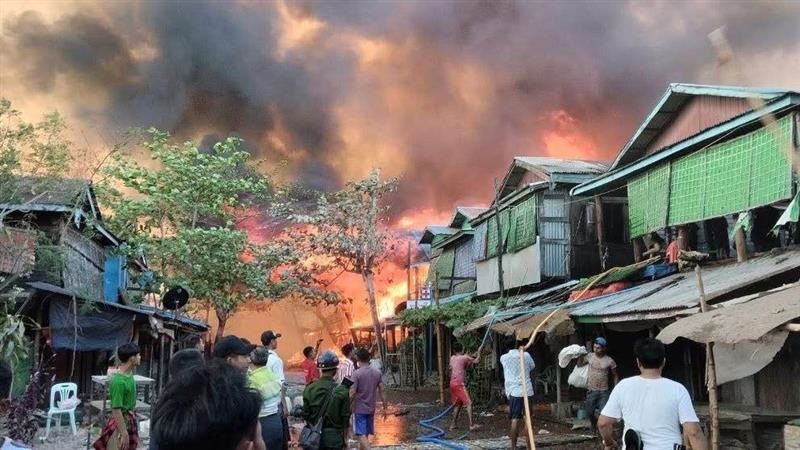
point(183, 217)
point(28, 152)
point(349, 229)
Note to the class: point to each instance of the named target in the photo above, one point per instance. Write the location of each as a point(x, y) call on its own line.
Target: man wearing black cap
point(234, 351)
point(336, 413)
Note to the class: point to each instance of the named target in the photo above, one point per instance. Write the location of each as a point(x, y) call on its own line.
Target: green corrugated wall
point(734, 176)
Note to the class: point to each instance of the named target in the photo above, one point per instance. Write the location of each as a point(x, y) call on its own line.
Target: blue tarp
point(98, 329)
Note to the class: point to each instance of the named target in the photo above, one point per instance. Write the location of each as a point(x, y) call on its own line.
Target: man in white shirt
point(346, 365)
point(653, 407)
point(513, 386)
point(275, 365)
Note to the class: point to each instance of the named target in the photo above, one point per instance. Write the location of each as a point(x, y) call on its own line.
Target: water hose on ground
point(437, 437)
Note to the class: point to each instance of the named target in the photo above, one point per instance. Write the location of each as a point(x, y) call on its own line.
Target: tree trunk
point(373, 309)
point(350, 324)
point(222, 319)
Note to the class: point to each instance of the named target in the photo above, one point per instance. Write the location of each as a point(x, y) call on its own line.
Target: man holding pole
point(654, 408)
point(459, 363)
point(517, 384)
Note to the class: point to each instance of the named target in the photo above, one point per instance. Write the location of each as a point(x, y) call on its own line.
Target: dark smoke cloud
point(216, 70)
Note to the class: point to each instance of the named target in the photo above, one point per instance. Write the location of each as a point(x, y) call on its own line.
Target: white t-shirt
point(654, 407)
point(513, 379)
point(275, 365)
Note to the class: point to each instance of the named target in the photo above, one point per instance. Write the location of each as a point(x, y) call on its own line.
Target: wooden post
point(414, 356)
point(601, 238)
point(741, 245)
point(711, 371)
point(558, 391)
point(439, 343)
point(638, 249)
point(683, 238)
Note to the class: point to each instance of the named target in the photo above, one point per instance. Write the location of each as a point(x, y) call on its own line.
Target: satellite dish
point(175, 298)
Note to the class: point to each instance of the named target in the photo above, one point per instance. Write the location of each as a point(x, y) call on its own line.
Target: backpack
point(311, 435)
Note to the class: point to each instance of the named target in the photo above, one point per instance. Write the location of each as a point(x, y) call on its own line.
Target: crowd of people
point(236, 400)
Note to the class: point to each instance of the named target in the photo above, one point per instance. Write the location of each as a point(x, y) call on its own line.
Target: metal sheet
point(739, 322)
point(679, 291)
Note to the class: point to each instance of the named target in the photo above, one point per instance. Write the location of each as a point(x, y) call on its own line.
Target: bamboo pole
point(531, 339)
point(439, 342)
point(711, 371)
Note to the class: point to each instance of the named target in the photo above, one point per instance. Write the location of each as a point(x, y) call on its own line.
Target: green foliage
point(349, 230)
point(184, 214)
point(37, 150)
point(452, 315)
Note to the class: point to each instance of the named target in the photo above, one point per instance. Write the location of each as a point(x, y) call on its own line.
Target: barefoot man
point(459, 363)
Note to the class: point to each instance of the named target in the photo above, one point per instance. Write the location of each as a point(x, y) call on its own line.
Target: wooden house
point(542, 233)
point(73, 279)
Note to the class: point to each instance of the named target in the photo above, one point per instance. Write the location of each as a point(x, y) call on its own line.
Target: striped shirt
point(346, 369)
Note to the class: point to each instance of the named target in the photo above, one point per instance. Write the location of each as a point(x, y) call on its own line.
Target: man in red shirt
point(309, 365)
point(458, 390)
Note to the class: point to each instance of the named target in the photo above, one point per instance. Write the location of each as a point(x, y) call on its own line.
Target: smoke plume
point(441, 93)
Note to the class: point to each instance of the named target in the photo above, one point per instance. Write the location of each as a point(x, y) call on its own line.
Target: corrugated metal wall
point(554, 234)
point(699, 113)
point(464, 267)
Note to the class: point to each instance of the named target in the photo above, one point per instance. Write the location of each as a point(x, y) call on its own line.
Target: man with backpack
point(327, 400)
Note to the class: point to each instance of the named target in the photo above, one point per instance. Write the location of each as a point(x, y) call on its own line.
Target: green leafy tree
point(182, 213)
point(31, 154)
point(349, 230)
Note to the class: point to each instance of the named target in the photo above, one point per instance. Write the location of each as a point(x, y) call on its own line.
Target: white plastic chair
point(64, 391)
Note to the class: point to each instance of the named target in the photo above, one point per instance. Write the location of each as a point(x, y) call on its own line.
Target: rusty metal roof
point(678, 292)
point(669, 106)
point(555, 165)
point(747, 321)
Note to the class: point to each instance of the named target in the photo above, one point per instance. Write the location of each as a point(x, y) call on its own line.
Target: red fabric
point(589, 294)
point(310, 369)
point(616, 287)
point(459, 395)
point(672, 252)
point(111, 426)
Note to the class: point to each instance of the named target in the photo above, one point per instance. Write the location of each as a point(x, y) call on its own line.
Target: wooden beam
point(711, 371)
point(601, 238)
point(638, 249)
point(439, 343)
point(741, 245)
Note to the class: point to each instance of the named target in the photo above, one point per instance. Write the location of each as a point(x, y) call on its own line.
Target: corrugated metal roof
point(679, 291)
point(669, 106)
point(45, 191)
point(144, 310)
point(432, 231)
point(555, 165)
point(738, 322)
point(470, 212)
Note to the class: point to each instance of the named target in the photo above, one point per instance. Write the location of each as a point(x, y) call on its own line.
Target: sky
point(440, 93)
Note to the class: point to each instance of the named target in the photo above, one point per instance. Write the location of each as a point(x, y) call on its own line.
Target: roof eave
point(778, 105)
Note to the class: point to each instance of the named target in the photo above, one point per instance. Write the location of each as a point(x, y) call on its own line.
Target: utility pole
point(439, 341)
point(500, 276)
point(711, 371)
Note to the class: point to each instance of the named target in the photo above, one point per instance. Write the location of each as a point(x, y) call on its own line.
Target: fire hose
point(437, 437)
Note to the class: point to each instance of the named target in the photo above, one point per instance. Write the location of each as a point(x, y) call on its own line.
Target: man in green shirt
point(121, 430)
point(337, 415)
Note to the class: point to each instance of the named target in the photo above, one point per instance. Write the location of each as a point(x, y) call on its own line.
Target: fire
point(419, 219)
point(566, 139)
point(395, 293)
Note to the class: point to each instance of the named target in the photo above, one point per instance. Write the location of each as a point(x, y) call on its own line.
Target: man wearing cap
point(269, 339)
point(337, 413)
point(598, 389)
point(234, 351)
